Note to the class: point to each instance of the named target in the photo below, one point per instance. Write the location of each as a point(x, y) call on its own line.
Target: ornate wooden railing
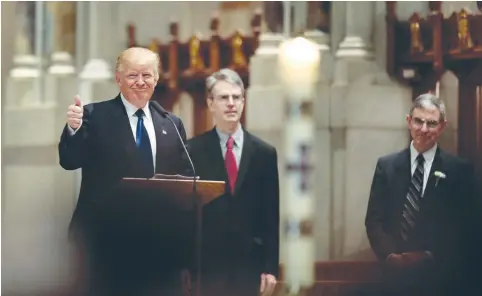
point(185, 65)
point(421, 49)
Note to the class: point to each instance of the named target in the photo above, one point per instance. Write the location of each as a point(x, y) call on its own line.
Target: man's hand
point(416, 257)
point(186, 281)
point(408, 259)
point(268, 283)
point(395, 260)
point(75, 112)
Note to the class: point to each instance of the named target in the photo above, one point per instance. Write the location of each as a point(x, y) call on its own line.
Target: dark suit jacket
point(446, 220)
point(252, 214)
point(105, 149)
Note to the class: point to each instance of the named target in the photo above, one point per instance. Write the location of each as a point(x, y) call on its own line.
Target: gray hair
point(427, 101)
point(226, 75)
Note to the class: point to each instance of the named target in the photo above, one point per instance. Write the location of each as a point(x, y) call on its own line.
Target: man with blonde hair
point(127, 136)
point(241, 227)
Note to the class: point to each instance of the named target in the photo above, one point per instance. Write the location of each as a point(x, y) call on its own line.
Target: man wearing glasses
point(241, 227)
point(420, 219)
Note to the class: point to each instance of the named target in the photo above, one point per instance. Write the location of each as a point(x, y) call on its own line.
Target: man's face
point(425, 127)
point(137, 81)
point(227, 102)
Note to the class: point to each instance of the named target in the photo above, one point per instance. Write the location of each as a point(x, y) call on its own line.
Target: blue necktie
point(144, 145)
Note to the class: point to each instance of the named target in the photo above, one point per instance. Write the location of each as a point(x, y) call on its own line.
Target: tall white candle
point(299, 61)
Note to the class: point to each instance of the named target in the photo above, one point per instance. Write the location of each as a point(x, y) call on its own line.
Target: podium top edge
point(177, 180)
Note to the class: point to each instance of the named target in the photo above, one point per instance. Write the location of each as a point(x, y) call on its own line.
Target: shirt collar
point(428, 155)
point(238, 136)
point(131, 109)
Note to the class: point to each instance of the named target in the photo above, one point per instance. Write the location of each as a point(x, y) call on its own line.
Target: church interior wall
point(360, 116)
point(448, 92)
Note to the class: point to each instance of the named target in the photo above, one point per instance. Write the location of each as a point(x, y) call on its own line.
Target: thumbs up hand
point(75, 112)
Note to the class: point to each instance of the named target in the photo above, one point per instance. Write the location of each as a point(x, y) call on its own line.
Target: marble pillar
point(24, 84)
point(62, 45)
point(95, 68)
point(357, 42)
point(265, 89)
point(235, 16)
point(36, 201)
point(26, 63)
point(300, 16)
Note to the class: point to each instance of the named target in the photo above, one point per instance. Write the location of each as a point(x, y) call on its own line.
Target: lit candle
point(299, 61)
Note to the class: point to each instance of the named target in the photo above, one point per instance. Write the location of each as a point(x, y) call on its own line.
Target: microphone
point(164, 113)
point(198, 226)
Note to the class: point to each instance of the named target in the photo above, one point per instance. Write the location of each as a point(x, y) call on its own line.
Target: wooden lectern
point(153, 227)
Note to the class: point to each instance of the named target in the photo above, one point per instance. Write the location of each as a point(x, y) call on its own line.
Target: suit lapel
point(158, 121)
point(122, 127)
point(216, 155)
point(403, 171)
point(246, 154)
point(437, 165)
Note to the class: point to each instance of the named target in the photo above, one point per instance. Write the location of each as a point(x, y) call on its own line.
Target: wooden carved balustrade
point(421, 49)
point(186, 65)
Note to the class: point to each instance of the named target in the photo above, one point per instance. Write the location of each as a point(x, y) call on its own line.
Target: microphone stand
point(196, 202)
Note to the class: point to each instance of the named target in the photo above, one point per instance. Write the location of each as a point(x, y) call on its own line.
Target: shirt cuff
point(389, 255)
point(72, 131)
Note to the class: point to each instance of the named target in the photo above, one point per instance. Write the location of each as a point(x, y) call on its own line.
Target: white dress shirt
point(238, 137)
point(429, 156)
point(148, 123)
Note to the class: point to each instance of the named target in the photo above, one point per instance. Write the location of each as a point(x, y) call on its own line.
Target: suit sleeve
point(273, 216)
point(471, 222)
point(73, 148)
point(376, 215)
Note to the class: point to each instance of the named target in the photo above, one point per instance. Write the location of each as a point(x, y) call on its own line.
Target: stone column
point(24, 86)
point(265, 89)
point(96, 68)
point(25, 62)
point(358, 35)
point(63, 16)
point(37, 200)
point(300, 16)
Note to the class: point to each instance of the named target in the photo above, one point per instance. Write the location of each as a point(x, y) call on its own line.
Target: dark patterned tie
point(414, 195)
point(144, 145)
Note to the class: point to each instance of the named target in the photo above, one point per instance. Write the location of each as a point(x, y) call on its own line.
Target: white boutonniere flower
point(439, 175)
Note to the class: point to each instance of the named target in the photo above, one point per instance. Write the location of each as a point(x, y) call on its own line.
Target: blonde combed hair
point(142, 53)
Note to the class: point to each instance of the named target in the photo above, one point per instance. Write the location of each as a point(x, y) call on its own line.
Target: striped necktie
point(411, 207)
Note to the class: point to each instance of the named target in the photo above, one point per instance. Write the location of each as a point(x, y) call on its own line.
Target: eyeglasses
point(419, 122)
point(226, 98)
